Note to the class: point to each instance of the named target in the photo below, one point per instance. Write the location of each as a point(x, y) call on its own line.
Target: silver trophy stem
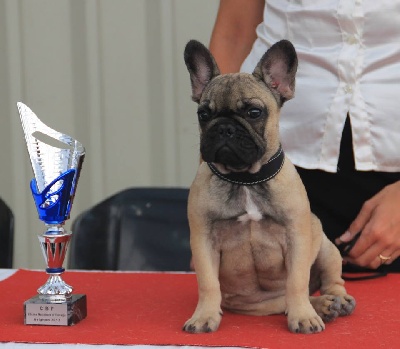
point(55, 290)
point(54, 243)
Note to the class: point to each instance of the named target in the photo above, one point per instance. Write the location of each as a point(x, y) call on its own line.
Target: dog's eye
point(203, 115)
point(254, 113)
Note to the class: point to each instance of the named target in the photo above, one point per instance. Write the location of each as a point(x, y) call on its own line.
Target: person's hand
point(379, 223)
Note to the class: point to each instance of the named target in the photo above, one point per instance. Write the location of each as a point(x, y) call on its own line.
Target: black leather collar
point(267, 171)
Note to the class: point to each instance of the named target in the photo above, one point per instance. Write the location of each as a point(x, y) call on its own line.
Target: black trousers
point(336, 198)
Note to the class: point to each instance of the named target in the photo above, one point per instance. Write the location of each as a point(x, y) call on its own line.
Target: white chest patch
point(252, 211)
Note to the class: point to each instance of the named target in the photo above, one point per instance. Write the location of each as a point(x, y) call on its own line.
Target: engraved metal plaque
point(38, 312)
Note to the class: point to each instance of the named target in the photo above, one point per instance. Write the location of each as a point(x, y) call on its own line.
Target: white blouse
point(349, 62)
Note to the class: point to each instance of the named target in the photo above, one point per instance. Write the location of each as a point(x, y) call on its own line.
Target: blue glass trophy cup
point(56, 161)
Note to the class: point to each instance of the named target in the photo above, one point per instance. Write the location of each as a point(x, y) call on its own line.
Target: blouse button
point(352, 39)
point(348, 89)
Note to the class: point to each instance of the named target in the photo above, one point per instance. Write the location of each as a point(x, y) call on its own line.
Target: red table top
point(150, 309)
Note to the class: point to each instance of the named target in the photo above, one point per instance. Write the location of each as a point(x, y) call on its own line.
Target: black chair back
point(136, 229)
point(6, 235)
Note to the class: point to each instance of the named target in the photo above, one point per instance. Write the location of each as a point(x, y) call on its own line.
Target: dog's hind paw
point(348, 303)
point(328, 307)
point(203, 324)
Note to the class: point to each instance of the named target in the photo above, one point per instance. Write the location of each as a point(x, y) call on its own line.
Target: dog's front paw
point(201, 323)
point(308, 322)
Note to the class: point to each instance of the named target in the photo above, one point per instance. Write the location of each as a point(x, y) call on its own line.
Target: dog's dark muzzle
point(230, 144)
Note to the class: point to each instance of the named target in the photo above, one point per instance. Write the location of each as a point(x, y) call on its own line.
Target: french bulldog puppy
point(257, 248)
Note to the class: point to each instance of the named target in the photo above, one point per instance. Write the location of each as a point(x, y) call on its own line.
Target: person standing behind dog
point(342, 129)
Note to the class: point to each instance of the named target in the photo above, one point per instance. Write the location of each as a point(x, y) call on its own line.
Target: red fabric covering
point(146, 308)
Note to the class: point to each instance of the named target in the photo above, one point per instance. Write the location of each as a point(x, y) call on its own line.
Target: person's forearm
point(234, 32)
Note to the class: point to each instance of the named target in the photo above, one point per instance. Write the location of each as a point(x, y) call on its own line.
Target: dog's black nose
point(226, 131)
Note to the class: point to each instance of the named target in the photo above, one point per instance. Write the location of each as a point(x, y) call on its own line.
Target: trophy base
point(41, 312)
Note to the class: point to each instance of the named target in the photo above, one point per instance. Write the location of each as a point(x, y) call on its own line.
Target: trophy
point(56, 161)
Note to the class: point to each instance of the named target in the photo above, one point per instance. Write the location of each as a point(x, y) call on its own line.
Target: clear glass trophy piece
point(56, 161)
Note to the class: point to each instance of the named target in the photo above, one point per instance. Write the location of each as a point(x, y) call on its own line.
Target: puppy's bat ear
point(201, 66)
point(277, 68)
